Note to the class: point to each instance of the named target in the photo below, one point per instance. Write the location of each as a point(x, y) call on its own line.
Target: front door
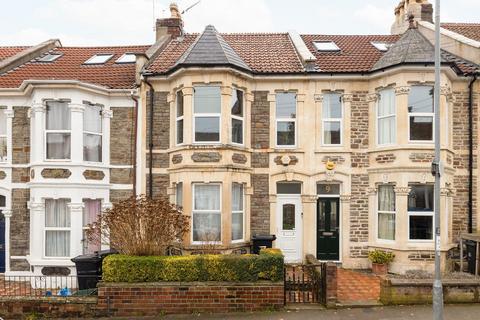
point(289, 227)
point(328, 231)
point(2, 243)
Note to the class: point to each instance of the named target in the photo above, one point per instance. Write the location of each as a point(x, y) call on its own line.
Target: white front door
point(289, 227)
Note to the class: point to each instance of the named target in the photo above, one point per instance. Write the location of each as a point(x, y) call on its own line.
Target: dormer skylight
point(127, 58)
point(49, 57)
point(100, 58)
point(326, 46)
point(382, 46)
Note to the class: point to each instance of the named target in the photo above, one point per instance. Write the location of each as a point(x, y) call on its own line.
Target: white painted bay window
point(238, 215)
point(332, 119)
point(420, 114)
point(58, 135)
point(179, 118)
point(57, 228)
point(386, 117)
point(207, 114)
point(91, 211)
point(237, 114)
point(420, 212)
point(3, 135)
point(92, 133)
point(386, 212)
point(286, 119)
point(207, 213)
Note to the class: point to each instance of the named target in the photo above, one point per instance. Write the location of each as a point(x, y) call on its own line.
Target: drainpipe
point(135, 140)
point(470, 154)
point(150, 141)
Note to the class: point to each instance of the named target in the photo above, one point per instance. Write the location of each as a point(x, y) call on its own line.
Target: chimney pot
point(172, 26)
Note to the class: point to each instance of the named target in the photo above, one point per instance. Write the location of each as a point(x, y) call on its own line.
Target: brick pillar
point(331, 290)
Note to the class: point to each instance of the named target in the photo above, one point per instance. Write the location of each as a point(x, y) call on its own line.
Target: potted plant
point(380, 260)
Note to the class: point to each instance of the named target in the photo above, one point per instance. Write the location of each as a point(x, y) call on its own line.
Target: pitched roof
point(70, 66)
point(7, 52)
point(469, 30)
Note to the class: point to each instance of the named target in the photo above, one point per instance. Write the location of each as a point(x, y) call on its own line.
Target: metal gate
point(305, 283)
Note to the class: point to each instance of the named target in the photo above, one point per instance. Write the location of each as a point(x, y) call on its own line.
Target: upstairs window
point(179, 117)
point(179, 194)
point(420, 113)
point(57, 228)
point(237, 112)
point(127, 58)
point(99, 58)
point(386, 117)
point(420, 212)
point(3, 135)
point(207, 114)
point(326, 46)
point(286, 119)
point(58, 130)
point(92, 133)
point(332, 119)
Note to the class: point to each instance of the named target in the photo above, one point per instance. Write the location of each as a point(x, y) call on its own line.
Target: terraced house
point(324, 141)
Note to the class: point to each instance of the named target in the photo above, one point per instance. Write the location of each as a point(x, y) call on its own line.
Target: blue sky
point(111, 22)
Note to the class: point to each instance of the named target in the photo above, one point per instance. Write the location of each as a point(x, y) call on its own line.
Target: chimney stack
point(421, 10)
point(172, 26)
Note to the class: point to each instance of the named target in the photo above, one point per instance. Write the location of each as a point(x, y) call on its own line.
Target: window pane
point(3, 149)
point(180, 131)
point(331, 132)
point(58, 145)
point(237, 103)
point(3, 201)
point(207, 129)
point(179, 103)
point(92, 147)
point(91, 211)
point(237, 131)
point(386, 103)
point(207, 100)
point(420, 99)
point(92, 118)
point(3, 122)
point(237, 225)
point(386, 130)
point(289, 188)
point(386, 198)
point(286, 133)
point(288, 214)
point(179, 194)
point(56, 213)
point(286, 105)
point(57, 243)
point(420, 198)
point(421, 128)
point(328, 189)
point(386, 226)
point(58, 116)
point(332, 105)
point(207, 197)
point(421, 227)
point(237, 197)
point(206, 227)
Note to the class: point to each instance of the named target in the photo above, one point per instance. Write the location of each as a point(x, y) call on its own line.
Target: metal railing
point(48, 286)
point(305, 283)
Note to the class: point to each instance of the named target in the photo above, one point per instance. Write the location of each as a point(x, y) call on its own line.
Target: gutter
point(470, 153)
point(150, 139)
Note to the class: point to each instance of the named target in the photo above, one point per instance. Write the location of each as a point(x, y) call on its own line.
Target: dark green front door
point(328, 237)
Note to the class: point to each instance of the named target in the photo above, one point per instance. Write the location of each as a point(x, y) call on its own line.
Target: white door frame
point(298, 232)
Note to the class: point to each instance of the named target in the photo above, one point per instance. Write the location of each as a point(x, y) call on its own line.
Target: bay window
point(386, 117)
point(420, 212)
point(237, 112)
point(91, 212)
point(58, 130)
point(332, 119)
point(57, 228)
point(286, 114)
point(92, 133)
point(207, 114)
point(386, 212)
point(420, 113)
point(3, 135)
point(179, 117)
point(179, 194)
point(237, 212)
point(206, 212)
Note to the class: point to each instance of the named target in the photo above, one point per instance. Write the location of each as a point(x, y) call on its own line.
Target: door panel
point(328, 229)
point(289, 227)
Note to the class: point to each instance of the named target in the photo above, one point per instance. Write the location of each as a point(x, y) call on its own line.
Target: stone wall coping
point(429, 282)
point(63, 300)
point(188, 284)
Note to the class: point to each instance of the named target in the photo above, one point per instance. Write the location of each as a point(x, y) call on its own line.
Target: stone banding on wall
point(20, 175)
point(360, 160)
point(3, 175)
point(421, 157)
point(121, 175)
point(421, 256)
point(286, 160)
point(239, 158)
point(56, 173)
point(385, 158)
point(206, 157)
point(177, 159)
point(334, 159)
point(93, 175)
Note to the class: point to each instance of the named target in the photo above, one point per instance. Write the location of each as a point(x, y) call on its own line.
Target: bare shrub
point(140, 226)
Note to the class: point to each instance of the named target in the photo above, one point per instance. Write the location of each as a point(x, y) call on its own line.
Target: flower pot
point(380, 269)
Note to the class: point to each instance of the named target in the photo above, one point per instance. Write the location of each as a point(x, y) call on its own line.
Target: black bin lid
point(93, 257)
point(270, 237)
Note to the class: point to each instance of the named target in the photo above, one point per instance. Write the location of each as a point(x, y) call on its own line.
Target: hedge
point(268, 265)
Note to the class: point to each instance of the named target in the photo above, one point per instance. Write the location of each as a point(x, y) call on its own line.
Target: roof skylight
point(127, 58)
point(49, 57)
point(326, 46)
point(100, 58)
point(382, 46)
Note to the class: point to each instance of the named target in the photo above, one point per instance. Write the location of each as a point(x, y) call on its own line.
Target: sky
point(120, 22)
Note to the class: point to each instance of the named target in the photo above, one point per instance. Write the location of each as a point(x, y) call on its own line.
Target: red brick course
point(355, 286)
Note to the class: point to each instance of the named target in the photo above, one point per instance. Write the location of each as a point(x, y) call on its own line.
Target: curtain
point(57, 215)
point(237, 225)
point(386, 219)
point(92, 147)
point(58, 145)
point(387, 117)
point(91, 212)
point(237, 197)
point(57, 242)
point(58, 115)
point(207, 197)
point(206, 227)
point(3, 122)
point(237, 211)
point(386, 226)
point(179, 194)
point(92, 118)
point(386, 198)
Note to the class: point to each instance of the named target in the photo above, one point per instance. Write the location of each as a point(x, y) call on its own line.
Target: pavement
point(463, 312)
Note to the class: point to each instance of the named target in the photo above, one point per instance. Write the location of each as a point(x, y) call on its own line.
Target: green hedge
point(268, 265)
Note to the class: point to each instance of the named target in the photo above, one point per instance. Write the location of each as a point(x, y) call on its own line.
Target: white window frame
point(47, 131)
point(124, 58)
point(422, 214)
point(421, 114)
point(207, 115)
point(91, 60)
point(324, 120)
point(381, 45)
point(179, 187)
point(232, 117)
point(219, 211)
point(46, 229)
point(392, 115)
point(378, 211)
point(95, 134)
point(179, 118)
point(84, 227)
point(279, 120)
point(239, 211)
point(4, 136)
point(331, 46)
